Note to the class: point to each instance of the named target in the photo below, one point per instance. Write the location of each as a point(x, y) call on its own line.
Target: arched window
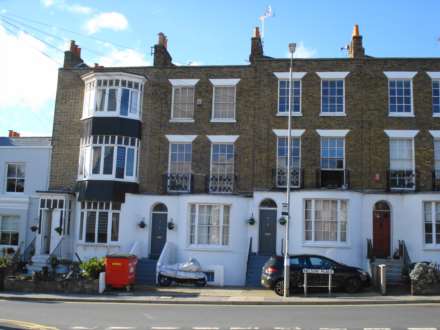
point(268, 203)
point(382, 206)
point(160, 208)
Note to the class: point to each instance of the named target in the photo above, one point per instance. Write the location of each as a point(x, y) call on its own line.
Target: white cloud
point(128, 57)
point(303, 52)
point(195, 63)
point(111, 20)
point(64, 5)
point(29, 78)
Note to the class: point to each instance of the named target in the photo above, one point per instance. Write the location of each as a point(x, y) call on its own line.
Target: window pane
point(402, 103)
point(130, 161)
point(134, 101)
point(102, 227)
point(111, 106)
point(115, 227)
point(224, 103)
point(90, 227)
point(96, 167)
point(108, 160)
point(125, 96)
point(120, 162)
point(332, 92)
point(100, 99)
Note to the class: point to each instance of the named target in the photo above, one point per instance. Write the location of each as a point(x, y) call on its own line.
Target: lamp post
point(292, 48)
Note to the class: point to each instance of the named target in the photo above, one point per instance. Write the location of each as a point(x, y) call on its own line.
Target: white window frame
point(233, 166)
point(110, 211)
point(224, 83)
point(6, 178)
point(182, 83)
point(285, 76)
point(400, 75)
point(17, 232)
point(332, 76)
point(338, 242)
point(433, 245)
point(208, 246)
point(435, 76)
point(182, 139)
point(344, 160)
point(91, 79)
point(86, 150)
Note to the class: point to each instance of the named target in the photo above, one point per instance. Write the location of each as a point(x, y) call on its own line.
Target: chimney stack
point(13, 134)
point(256, 46)
point(161, 56)
point(356, 49)
point(72, 57)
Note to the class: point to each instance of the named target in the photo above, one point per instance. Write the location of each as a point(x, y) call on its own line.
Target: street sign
point(318, 271)
point(328, 272)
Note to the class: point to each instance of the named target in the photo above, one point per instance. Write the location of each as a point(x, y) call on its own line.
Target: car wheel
point(353, 285)
point(164, 281)
point(279, 288)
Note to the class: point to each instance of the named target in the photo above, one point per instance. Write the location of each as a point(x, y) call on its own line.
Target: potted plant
point(282, 221)
point(142, 224)
point(171, 225)
point(34, 228)
point(251, 221)
point(59, 230)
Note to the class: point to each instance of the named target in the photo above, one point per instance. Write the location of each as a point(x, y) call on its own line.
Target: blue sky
point(199, 32)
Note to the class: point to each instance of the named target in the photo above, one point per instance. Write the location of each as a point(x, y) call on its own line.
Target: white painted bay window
point(99, 222)
point(325, 220)
point(9, 230)
point(431, 226)
point(182, 103)
point(15, 177)
point(400, 93)
point(224, 100)
point(109, 157)
point(113, 94)
point(209, 225)
point(332, 93)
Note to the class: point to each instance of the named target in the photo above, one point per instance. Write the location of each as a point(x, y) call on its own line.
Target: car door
point(297, 264)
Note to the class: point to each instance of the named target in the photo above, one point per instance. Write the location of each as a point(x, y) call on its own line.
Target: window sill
point(333, 114)
point(207, 248)
point(223, 121)
point(294, 114)
point(182, 120)
point(106, 178)
point(431, 248)
point(404, 115)
point(326, 245)
point(436, 115)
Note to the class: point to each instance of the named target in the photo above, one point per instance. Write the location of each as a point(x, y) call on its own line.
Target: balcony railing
point(178, 182)
point(333, 178)
point(401, 179)
point(221, 184)
point(296, 177)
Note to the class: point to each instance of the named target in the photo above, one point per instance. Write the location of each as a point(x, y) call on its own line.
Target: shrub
point(4, 262)
point(92, 267)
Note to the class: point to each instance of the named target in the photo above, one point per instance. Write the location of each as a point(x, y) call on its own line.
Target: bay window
point(108, 157)
point(99, 221)
point(209, 224)
point(113, 94)
point(325, 220)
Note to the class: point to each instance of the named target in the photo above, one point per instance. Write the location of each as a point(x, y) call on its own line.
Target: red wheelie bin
point(120, 271)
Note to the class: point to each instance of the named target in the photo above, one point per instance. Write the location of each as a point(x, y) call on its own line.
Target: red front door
point(381, 234)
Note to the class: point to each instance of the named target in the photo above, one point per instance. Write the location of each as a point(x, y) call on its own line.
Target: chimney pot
point(257, 32)
point(356, 31)
point(163, 41)
point(12, 133)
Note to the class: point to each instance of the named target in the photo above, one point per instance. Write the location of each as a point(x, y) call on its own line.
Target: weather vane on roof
point(267, 13)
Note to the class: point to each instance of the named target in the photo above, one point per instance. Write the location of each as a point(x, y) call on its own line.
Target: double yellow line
point(25, 325)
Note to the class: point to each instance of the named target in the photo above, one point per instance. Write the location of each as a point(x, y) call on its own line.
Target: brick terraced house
point(173, 162)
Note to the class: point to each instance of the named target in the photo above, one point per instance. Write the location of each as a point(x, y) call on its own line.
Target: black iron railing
point(222, 184)
point(178, 182)
point(29, 251)
point(401, 179)
point(436, 180)
point(333, 178)
point(296, 177)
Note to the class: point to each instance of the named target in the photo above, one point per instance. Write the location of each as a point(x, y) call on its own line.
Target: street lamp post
point(292, 48)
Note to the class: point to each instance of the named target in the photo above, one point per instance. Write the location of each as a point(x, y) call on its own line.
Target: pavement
point(223, 296)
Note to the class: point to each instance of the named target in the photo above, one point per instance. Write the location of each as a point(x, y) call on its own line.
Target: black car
point(351, 279)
